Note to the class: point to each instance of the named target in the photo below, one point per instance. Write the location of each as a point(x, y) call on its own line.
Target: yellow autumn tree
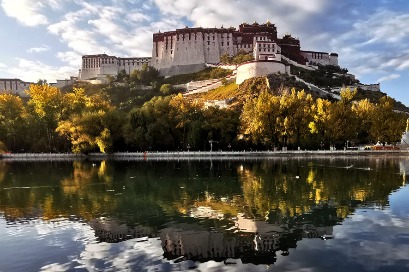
point(85, 124)
point(12, 118)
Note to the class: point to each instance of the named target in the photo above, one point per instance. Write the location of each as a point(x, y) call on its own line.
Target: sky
point(45, 39)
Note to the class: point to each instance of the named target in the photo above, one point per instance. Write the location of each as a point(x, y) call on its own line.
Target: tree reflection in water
point(202, 210)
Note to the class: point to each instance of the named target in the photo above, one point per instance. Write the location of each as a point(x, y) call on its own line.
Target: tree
point(166, 89)
point(85, 123)
point(321, 119)
point(296, 110)
point(12, 121)
point(363, 111)
point(148, 76)
point(387, 126)
point(225, 58)
point(260, 119)
point(221, 125)
point(242, 56)
point(151, 126)
point(122, 76)
point(46, 107)
point(342, 121)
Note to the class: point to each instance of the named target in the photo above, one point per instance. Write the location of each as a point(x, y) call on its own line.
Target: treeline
point(295, 120)
point(124, 116)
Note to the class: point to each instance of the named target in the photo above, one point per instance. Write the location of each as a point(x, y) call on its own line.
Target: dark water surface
point(209, 215)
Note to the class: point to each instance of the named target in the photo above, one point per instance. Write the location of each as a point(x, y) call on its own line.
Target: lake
point(242, 214)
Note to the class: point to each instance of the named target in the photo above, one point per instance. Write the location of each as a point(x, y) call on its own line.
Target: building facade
point(14, 86)
point(100, 66)
point(189, 49)
point(321, 58)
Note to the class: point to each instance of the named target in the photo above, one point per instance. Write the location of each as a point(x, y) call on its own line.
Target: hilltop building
point(188, 50)
point(14, 86)
point(64, 82)
point(98, 67)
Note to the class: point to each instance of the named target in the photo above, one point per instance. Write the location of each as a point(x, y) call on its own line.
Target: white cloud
point(232, 12)
point(384, 26)
point(33, 70)
point(81, 40)
point(388, 77)
point(375, 45)
point(70, 57)
point(2, 65)
point(100, 28)
point(28, 12)
point(399, 62)
point(137, 17)
point(38, 49)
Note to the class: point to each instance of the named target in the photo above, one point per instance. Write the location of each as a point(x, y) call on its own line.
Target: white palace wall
point(187, 52)
point(102, 65)
point(259, 68)
point(14, 86)
point(322, 58)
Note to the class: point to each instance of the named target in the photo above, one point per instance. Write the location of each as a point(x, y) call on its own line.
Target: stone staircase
point(205, 85)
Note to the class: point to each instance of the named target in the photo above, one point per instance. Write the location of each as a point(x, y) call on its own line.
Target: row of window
point(97, 63)
point(262, 39)
point(264, 50)
point(266, 45)
point(208, 37)
point(317, 55)
point(11, 84)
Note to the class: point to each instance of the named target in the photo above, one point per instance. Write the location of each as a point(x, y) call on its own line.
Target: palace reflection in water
point(252, 210)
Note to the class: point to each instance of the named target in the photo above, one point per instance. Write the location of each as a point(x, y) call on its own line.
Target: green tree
point(166, 89)
point(220, 125)
point(148, 76)
point(225, 58)
point(150, 127)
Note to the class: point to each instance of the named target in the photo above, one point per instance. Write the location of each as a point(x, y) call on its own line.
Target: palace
point(14, 86)
point(97, 67)
point(188, 50)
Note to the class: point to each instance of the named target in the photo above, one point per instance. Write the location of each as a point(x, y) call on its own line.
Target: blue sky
point(46, 38)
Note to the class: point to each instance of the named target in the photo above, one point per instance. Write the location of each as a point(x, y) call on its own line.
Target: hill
point(325, 77)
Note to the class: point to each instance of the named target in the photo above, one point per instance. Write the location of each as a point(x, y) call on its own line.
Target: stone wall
point(258, 68)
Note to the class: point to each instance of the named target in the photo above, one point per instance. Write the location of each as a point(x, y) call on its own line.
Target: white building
point(267, 60)
point(265, 49)
point(322, 58)
point(100, 66)
point(14, 86)
point(64, 82)
point(188, 50)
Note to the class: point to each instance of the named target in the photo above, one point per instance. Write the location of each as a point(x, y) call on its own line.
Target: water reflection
point(202, 211)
